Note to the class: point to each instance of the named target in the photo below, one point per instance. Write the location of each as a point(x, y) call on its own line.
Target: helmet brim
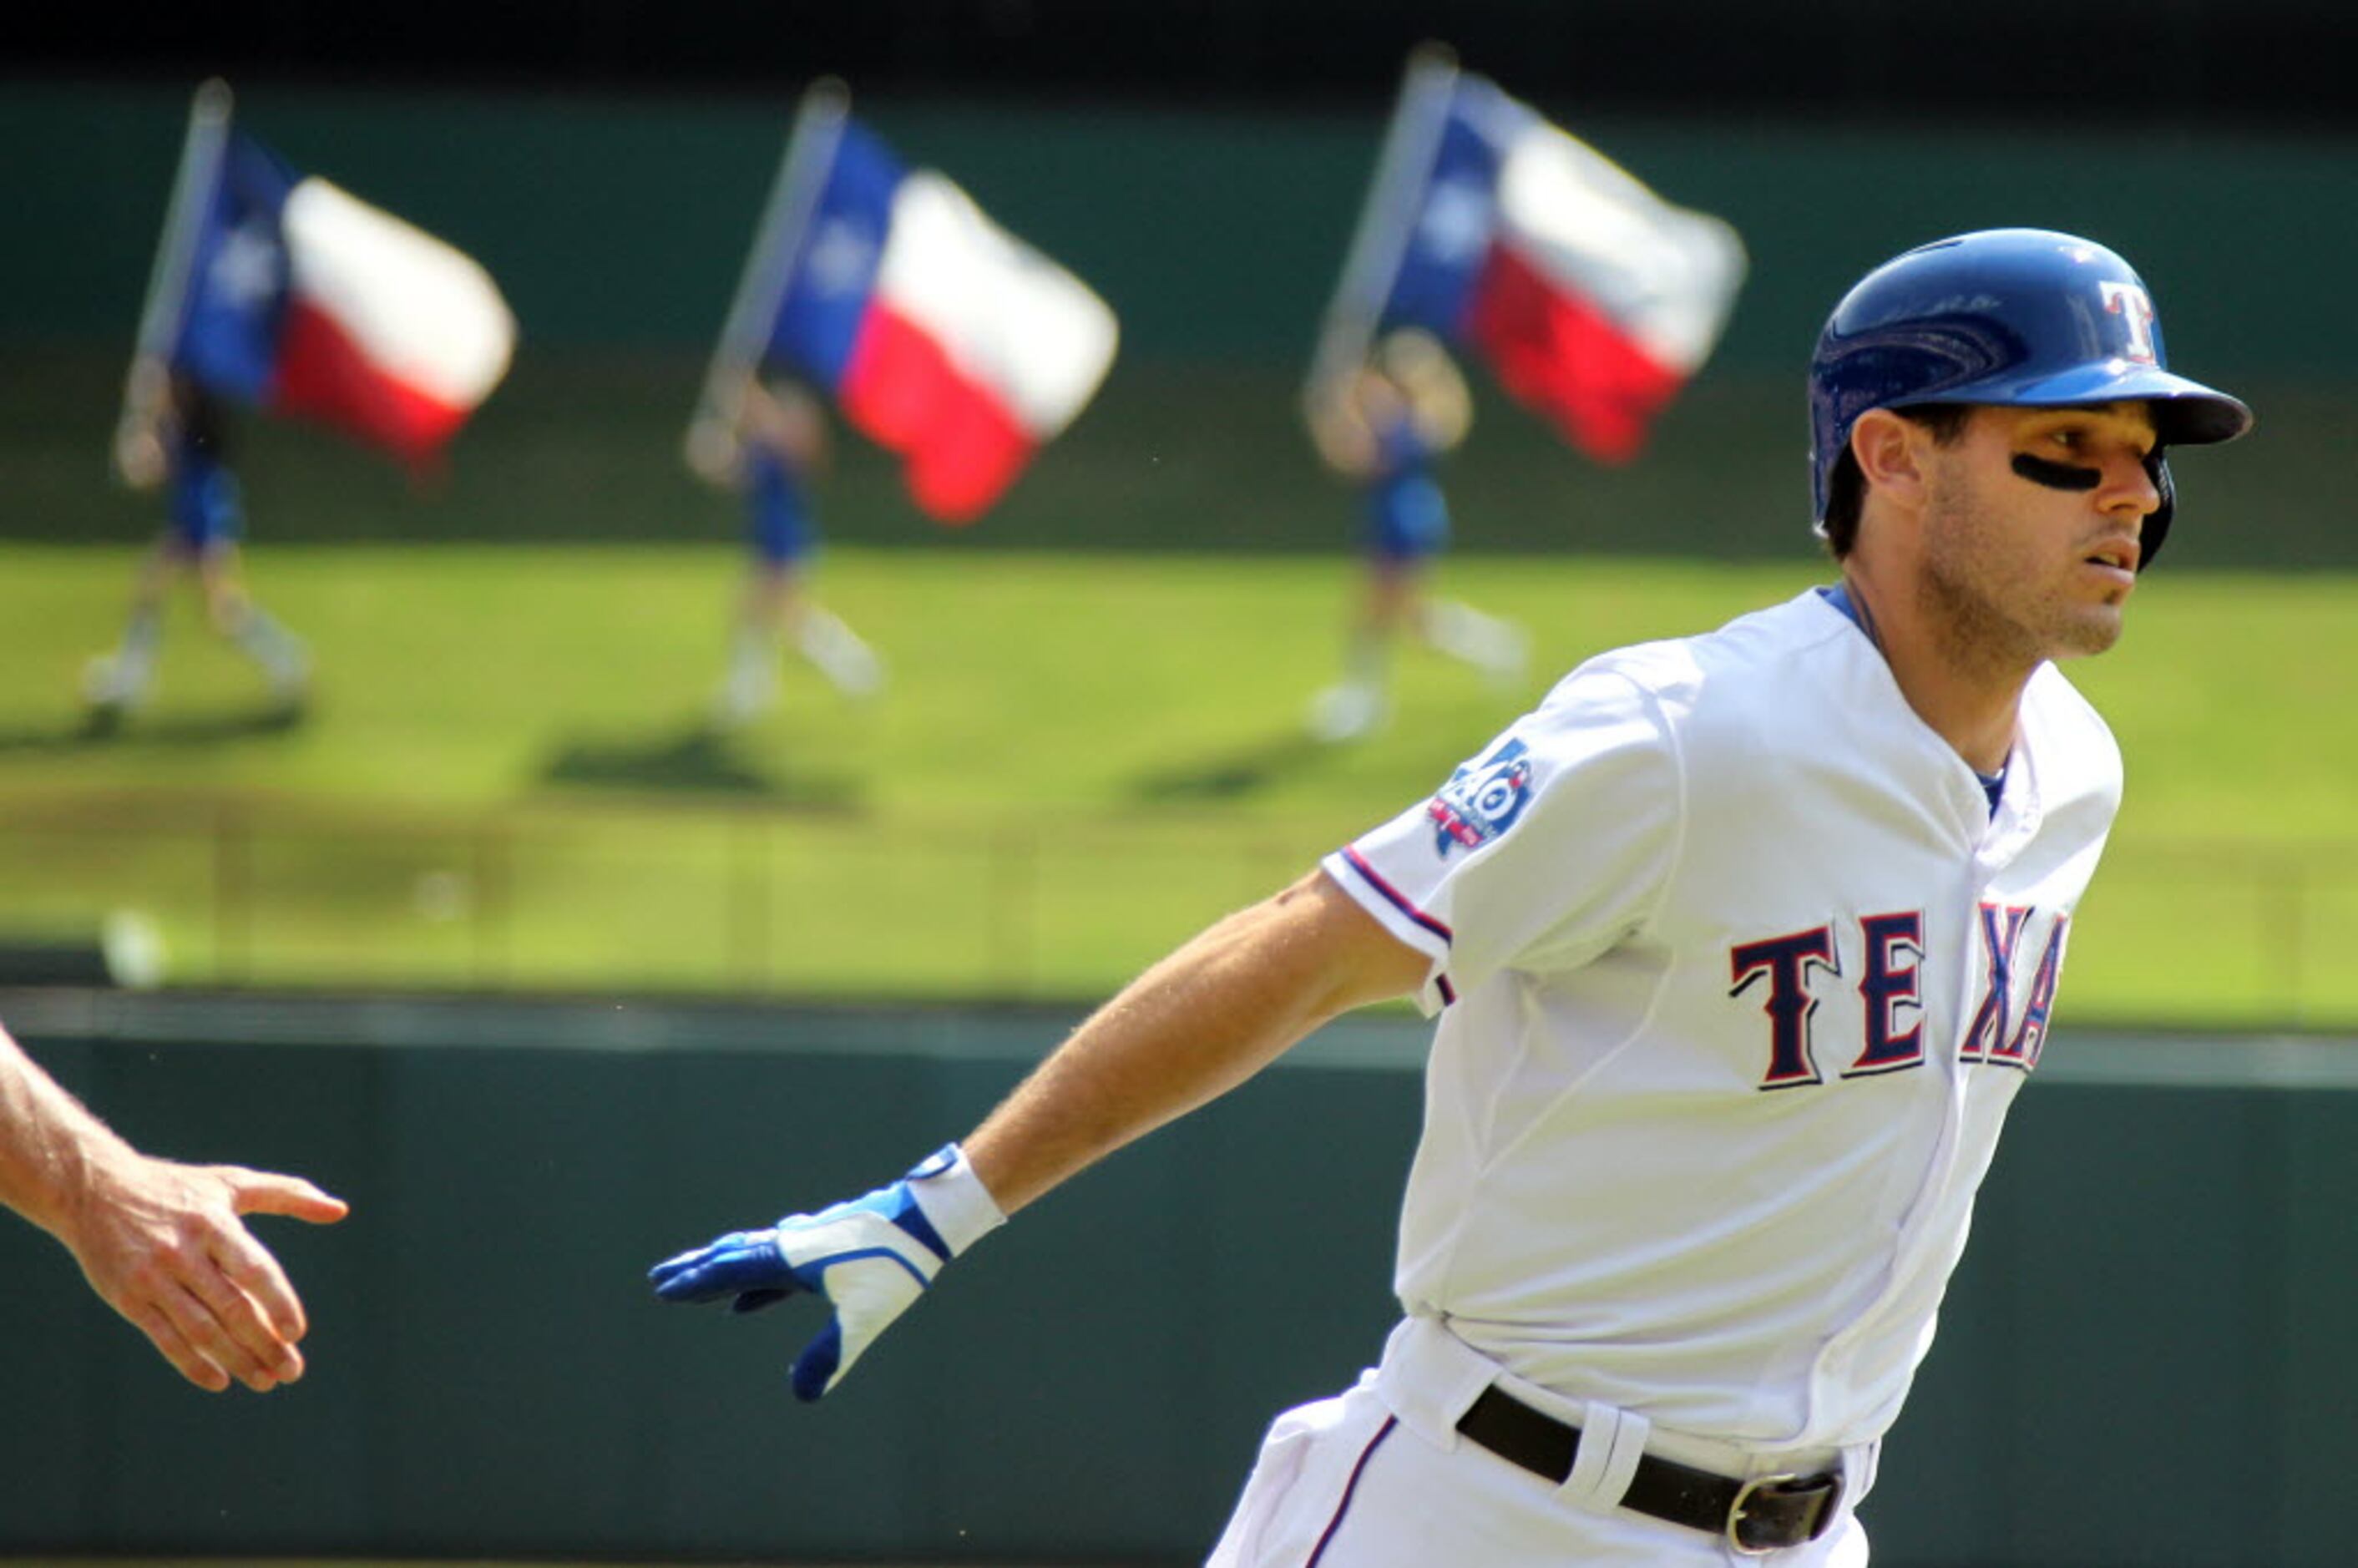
point(2185, 412)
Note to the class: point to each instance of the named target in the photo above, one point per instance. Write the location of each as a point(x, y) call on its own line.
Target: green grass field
point(506, 780)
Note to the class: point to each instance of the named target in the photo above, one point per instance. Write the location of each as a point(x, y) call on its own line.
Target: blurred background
point(502, 938)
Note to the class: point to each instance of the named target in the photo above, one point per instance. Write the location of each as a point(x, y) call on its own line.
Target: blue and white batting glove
point(871, 1258)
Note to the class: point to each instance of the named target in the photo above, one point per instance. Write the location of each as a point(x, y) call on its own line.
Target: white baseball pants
point(1358, 1481)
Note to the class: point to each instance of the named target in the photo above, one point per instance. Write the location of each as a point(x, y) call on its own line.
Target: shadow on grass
point(102, 728)
point(1236, 775)
point(697, 760)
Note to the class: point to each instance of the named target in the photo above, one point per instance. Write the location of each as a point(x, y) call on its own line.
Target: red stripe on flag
point(1565, 358)
point(961, 445)
point(324, 374)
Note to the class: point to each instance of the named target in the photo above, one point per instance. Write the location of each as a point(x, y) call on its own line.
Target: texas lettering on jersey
point(1794, 973)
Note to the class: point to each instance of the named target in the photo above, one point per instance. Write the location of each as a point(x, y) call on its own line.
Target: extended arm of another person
point(1190, 1029)
point(160, 1242)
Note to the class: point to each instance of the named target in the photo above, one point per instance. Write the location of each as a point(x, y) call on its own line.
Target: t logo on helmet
point(2135, 307)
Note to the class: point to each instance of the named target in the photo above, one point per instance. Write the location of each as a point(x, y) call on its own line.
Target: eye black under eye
point(2055, 475)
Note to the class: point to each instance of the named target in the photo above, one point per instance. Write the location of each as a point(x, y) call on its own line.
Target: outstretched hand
point(870, 1259)
point(743, 1264)
point(163, 1244)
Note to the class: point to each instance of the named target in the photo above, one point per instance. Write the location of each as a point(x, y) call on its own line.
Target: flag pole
point(1410, 143)
point(794, 191)
point(167, 280)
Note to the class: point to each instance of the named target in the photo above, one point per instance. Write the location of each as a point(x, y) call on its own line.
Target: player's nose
point(2128, 489)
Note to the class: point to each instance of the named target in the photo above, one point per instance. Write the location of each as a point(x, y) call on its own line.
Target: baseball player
point(1386, 426)
point(179, 441)
point(779, 445)
point(1741, 945)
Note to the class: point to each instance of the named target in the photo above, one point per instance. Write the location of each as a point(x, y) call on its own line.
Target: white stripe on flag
point(1007, 316)
point(1668, 275)
point(423, 312)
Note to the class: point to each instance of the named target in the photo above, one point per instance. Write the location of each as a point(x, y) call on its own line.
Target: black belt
point(1767, 1513)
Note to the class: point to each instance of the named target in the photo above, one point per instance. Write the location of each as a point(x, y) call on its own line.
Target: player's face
point(2031, 528)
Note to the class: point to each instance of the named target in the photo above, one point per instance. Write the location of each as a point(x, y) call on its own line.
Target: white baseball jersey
point(1737, 972)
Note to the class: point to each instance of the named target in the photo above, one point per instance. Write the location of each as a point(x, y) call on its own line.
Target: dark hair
point(1847, 490)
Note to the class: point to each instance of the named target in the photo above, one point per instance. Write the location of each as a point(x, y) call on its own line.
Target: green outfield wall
point(617, 226)
point(2146, 1358)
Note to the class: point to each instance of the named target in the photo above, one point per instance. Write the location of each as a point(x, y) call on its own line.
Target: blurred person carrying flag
point(936, 333)
point(1592, 299)
point(773, 453)
point(1490, 231)
point(283, 292)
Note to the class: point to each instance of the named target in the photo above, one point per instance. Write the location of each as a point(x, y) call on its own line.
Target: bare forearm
point(50, 1146)
point(1192, 1027)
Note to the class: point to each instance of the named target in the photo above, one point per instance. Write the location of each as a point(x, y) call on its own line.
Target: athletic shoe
point(113, 685)
point(849, 665)
point(1350, 711)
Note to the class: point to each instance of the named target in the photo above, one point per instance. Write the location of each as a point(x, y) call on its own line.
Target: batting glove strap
point(954, 1200)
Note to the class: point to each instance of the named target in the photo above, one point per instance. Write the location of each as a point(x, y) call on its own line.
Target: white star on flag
point(841, 255)
point(1456, 221)
point(245, 270)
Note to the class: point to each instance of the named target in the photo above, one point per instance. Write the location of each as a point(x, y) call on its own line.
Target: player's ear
point(1891, 451)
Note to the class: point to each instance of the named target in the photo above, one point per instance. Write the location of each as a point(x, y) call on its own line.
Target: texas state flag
point(941, 336)
point(305, 300)
point(1592, 299)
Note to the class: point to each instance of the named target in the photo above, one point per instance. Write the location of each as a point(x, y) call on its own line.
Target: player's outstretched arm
point(1191, 1027)
point(1189, 1030)
point(160, 1242)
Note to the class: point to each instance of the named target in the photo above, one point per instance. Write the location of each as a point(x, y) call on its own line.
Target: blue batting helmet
point(2020, 316)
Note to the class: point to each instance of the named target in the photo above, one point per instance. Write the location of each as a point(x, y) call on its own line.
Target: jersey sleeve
point(1537, 855)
